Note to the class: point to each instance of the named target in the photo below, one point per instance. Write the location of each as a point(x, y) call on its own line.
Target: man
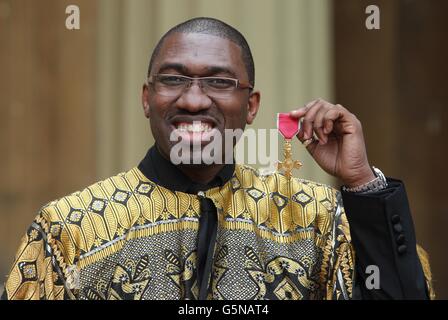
point(223, 231)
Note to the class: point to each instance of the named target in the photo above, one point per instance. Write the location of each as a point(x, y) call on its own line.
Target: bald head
point(216, 28)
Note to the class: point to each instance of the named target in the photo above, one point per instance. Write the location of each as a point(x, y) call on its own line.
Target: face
point(198, 55)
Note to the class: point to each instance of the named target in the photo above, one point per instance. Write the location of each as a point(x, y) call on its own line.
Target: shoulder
point(278, 180)
point(85, 219)
point(311, 202)
point(95, 197)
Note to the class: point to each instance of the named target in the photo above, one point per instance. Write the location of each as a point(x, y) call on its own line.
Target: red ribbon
point(287, 126)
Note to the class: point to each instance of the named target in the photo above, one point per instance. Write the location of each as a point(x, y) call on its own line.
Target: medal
point(288, 128)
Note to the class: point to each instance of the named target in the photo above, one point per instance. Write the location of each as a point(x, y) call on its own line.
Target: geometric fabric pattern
point(129, 238)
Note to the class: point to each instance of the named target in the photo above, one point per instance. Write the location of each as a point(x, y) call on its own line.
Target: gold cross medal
point(288, 128)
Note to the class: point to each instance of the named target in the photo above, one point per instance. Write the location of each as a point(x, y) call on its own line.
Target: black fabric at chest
point(206, 244)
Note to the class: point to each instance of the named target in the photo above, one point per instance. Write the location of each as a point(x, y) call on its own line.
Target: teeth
point(195, 127)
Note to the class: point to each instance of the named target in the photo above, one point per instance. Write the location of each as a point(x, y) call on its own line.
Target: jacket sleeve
point(38, 272)
point(383, 236)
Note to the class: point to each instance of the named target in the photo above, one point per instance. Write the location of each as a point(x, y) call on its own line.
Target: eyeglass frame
point(238, 83)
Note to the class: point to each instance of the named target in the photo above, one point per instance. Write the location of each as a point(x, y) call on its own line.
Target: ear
point(252, 106)
point(145, 99)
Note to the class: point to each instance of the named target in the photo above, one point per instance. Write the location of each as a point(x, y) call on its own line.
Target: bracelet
point(377, 184)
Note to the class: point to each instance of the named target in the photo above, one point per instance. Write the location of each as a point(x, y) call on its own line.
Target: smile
point(196, 126)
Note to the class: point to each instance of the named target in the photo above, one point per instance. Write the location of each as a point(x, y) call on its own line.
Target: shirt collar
point(162, 172)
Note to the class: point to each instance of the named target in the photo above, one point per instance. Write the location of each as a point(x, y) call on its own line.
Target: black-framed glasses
point(173, 85)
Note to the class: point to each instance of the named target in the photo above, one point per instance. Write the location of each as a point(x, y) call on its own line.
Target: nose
point(193, 99)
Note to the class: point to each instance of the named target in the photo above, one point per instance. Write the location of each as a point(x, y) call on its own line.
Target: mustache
point(211, 113)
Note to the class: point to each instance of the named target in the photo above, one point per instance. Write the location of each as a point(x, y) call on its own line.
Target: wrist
point(366, 176)
point(378, 183)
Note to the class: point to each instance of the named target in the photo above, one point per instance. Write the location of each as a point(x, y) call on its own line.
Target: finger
point(328, 126)
point(299, 113)
point(311, 145)
point(321, 136)
point(330, 118)
point(302, 111)
point(318, 124)
point(308, 119)
point(300, 133)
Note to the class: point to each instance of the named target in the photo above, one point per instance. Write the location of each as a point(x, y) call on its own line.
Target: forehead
point(200, 52)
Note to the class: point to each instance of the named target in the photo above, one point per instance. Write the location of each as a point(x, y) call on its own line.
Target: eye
point(172, 80)
point(220, 83)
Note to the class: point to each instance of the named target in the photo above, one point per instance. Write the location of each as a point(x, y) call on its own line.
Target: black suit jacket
point(383, 235)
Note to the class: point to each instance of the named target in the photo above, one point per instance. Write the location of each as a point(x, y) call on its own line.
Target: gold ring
point(307, 142)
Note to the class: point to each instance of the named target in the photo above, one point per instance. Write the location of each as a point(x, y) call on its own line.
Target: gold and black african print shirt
point(129, 238)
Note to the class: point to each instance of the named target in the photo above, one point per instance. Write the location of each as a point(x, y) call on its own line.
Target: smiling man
point(224, 98)
point(200, 230)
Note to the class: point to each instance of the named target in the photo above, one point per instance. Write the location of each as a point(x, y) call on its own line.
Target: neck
point(202, 174)
point(199, 173)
